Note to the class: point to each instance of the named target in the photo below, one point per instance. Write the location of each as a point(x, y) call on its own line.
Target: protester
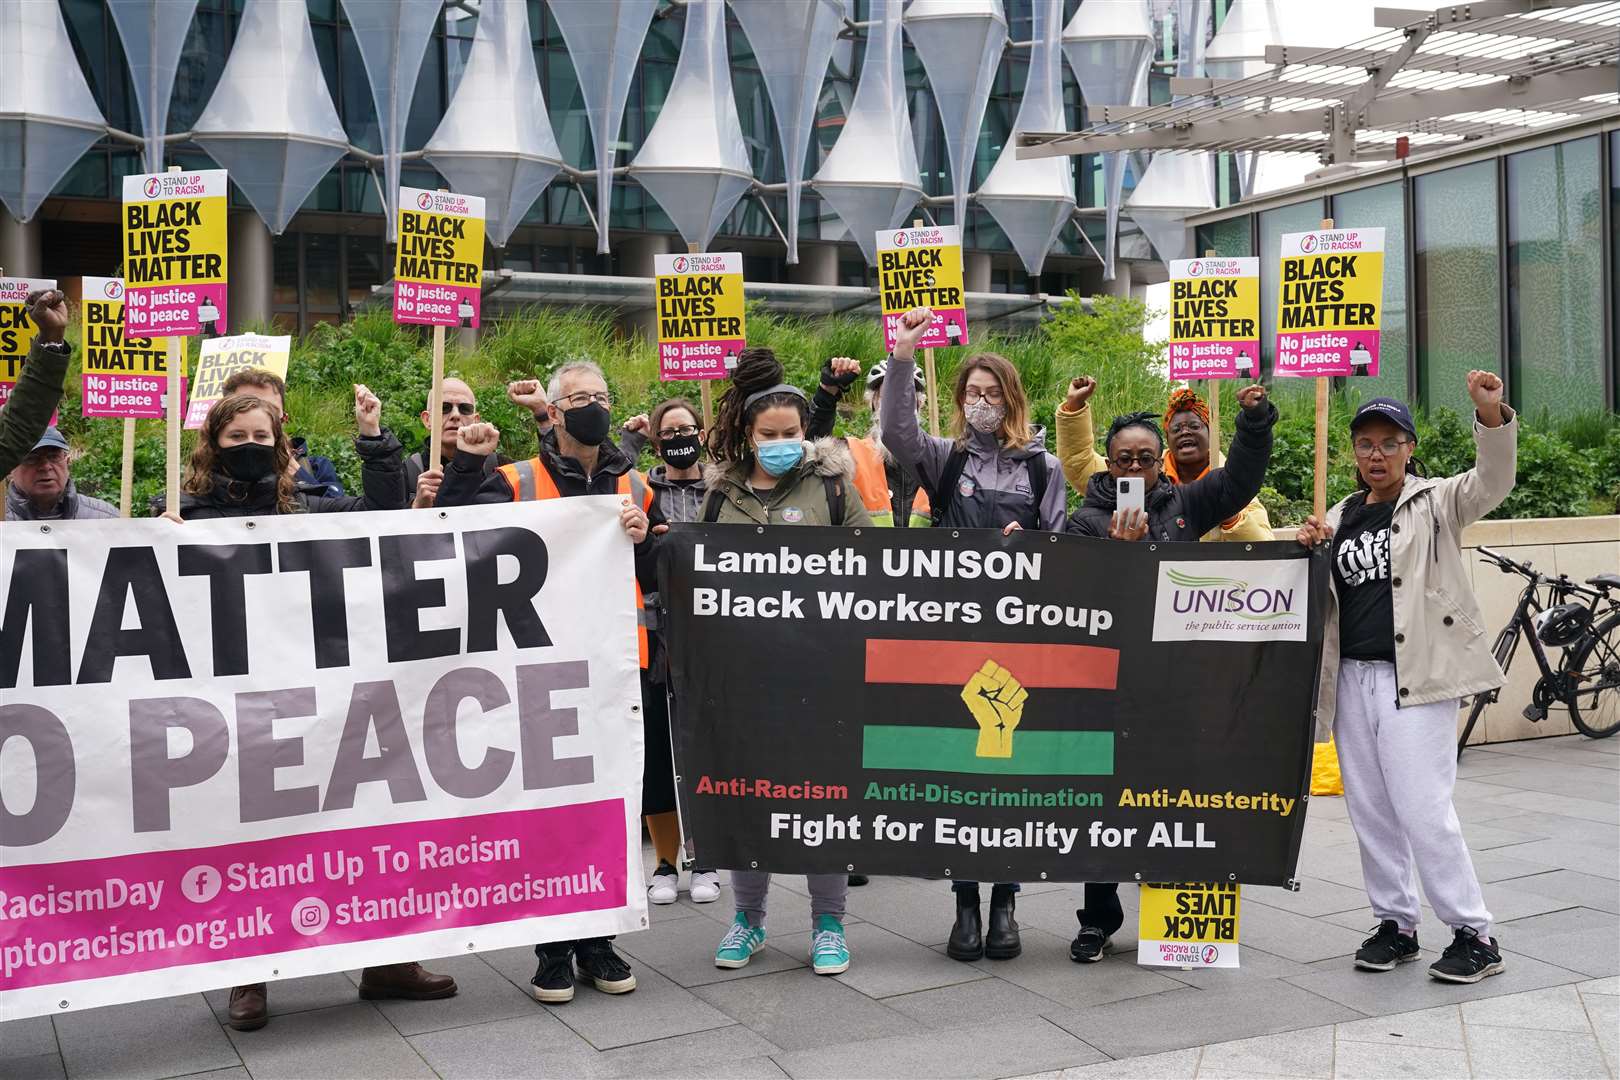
point(677, 487)
point(42, 490)
point(577, 458)
point(458, 408)
point(995, 474)
point(1403, 643)
point(891, 493)
point(38, 389)
point(312, 473)
point(765, 473)
point(239, 469)
point(241, 464)
point(1174, 512)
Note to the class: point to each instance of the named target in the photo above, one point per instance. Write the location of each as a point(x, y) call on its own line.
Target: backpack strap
point(835, 499)
point(711, 507)
point(940, 500)
point(1039, 474)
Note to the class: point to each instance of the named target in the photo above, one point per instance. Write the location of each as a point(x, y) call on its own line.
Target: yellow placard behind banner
point(223, 357)
point(1188, 924)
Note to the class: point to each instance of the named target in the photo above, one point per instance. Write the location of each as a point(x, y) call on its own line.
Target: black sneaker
point(553, 981)
point(603, 968)
point(857, 880)
point(1386, 948)
point(1468, 959)
point(1088, 945)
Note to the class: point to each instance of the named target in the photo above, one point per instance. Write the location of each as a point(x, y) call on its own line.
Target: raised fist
point(481, 438)
point(1080, 390)
point(996, 700)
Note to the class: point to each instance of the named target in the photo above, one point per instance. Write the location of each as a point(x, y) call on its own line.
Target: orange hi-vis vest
point(872, 481)
point(531, 480)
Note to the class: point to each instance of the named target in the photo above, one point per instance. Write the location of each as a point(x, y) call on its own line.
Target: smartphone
point(1130, 493)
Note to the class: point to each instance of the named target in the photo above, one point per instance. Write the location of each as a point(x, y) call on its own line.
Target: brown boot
point(250, 1008)
point(411, 982)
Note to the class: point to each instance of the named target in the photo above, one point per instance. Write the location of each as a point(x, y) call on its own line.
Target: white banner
point(251, 749)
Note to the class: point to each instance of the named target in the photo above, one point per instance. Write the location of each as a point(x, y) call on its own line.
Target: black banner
point(961, 704)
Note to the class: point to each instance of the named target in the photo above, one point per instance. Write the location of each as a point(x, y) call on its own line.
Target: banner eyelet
point(1248, 547)
point(443, 515)
point(760, 529)
point(955, 535)
point(251, 524)
point(857, 532)
point(46, 529)
point(850, 868)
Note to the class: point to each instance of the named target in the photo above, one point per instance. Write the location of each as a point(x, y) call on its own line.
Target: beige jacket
point(1077, 453)
point(1442, 649)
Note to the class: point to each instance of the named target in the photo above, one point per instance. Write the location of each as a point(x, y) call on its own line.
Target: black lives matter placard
point(967, 705)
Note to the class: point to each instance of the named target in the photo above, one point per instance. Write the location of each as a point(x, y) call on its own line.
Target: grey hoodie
point(994, 487)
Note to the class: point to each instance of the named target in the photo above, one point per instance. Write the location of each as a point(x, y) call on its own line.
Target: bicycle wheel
point(1506, 643)
point(1595, 667)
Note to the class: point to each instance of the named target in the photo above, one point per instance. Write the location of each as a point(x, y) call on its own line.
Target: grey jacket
point(72, 507)
point(1442, 648)
point(994, 488)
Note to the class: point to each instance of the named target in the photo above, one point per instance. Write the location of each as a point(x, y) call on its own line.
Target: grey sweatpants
point(827, 892)
point(1399, 768)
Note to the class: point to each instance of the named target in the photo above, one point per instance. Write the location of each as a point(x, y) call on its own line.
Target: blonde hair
point(1015, 432)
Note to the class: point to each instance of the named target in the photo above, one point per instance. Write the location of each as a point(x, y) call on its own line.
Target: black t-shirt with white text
point(1361, 574)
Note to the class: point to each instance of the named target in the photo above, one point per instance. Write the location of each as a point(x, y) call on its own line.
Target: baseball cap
point(51, 440)
point(1387, 409)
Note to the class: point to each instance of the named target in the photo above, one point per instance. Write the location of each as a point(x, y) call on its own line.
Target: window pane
point(284, 262)
point(1301, 217)
point(1229, 239)
point(1458, 281)
point(1369, 208)
point(321, 272)
point(1555, 277)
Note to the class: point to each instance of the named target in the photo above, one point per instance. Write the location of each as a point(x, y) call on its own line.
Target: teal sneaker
point(740, 944)
point(829, 952)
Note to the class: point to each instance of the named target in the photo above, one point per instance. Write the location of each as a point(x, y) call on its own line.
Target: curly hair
point(757, 369)
point(1015, 431)
point(201, 470)
point(1144, 420)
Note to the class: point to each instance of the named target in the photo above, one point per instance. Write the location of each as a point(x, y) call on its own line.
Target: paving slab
point(1175, 1065)
point(1191, 1017)
point(482, 995)
point(1410, 987)
point(532, 1046)
point(683, 951)
point(1255, 964)
point(1305, 1052)
point(33, 1066)
point(1572, 806)
point(1045, 968)
point(988, 1051)
point(1524, 1054)
point(1439, 1028)
point(349, 1041)
point(1314, 897)
point(1573, 887)
point(1603, 1010)
point(288, 996)
point(1297, 937)
point(26, 1038)
point(1557, 1008)
point(159, 1038)
point(1370, 1061)
point(883, 964)
point(968, 1004)
point(692, 1055)
point(656, 1009)
point(797, 1010)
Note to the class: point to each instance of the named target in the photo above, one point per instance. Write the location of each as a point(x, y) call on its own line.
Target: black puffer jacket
point(1185, 512)
point(379, 478)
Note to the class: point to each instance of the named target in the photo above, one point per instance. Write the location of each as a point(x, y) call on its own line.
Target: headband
point(1186, 399)
point(779, 388)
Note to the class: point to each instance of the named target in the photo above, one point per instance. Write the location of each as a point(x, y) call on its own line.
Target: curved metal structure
point(1032, 199)
point(870, 176)
point(694, 160)
point(48, 117)
point(793, 41)
point(495, 140)
point(604, 39)
point(1174, 186)
point(960, 44)
point(153, 33)
point(271, 123)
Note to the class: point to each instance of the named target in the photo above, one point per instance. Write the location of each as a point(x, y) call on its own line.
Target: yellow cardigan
point(1077, 453)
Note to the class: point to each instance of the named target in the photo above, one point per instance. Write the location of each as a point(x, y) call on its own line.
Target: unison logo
point(1232, 600)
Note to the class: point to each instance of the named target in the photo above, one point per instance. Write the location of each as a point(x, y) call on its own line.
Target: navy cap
point(1387, 409)
point(51, 440)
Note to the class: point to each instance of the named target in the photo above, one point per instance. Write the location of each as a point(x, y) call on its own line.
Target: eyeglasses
point(1189, 426)
point(580, 398)
point(1143, 461)
point(465, 408)
point(678, 433)
point(1388, 447)
point(972, 394)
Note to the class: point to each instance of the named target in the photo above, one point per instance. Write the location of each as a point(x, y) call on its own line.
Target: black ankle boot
point(1001, 939)
point(967, 942)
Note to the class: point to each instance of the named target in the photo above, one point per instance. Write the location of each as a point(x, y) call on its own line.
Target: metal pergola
point(1428, 81)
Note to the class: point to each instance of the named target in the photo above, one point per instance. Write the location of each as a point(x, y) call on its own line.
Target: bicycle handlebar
point(1561, 583)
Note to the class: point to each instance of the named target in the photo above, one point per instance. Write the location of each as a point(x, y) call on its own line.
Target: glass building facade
point(334, 251)
point(1505, 258)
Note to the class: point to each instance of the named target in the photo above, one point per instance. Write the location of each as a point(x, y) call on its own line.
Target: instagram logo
point(152, 187)
point(309, 916)
point(114, 290)
point(424, 200)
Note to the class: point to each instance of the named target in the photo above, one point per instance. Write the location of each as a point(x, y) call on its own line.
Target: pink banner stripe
point(62, 922)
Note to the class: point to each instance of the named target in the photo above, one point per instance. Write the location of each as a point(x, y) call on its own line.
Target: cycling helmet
point(880, 370)
point(1563, 625)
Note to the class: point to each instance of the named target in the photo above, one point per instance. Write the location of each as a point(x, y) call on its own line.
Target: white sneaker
point(663, 888)
point(705, 886)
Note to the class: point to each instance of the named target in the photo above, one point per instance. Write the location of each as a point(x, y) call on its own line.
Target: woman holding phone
point(1134, 500)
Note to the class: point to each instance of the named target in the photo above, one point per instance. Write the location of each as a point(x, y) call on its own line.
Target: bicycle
point(1587, 630)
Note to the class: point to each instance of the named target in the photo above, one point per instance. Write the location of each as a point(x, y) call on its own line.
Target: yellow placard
point(17, 330)
point(175, 247)
point(922, 267)
point(1330, 286)
point(439, 259)
point(1189, 924)
point(699, 301)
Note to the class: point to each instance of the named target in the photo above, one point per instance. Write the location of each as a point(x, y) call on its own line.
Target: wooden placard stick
point(1319, 486)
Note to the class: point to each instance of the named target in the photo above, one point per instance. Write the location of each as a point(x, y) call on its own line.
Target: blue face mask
point(779, 456)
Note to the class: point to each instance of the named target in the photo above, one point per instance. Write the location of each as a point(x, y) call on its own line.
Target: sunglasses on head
point(465, 408)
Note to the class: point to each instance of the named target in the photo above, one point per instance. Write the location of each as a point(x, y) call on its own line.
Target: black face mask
point(248, 462)
point(680, 452)
point(587, 424)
